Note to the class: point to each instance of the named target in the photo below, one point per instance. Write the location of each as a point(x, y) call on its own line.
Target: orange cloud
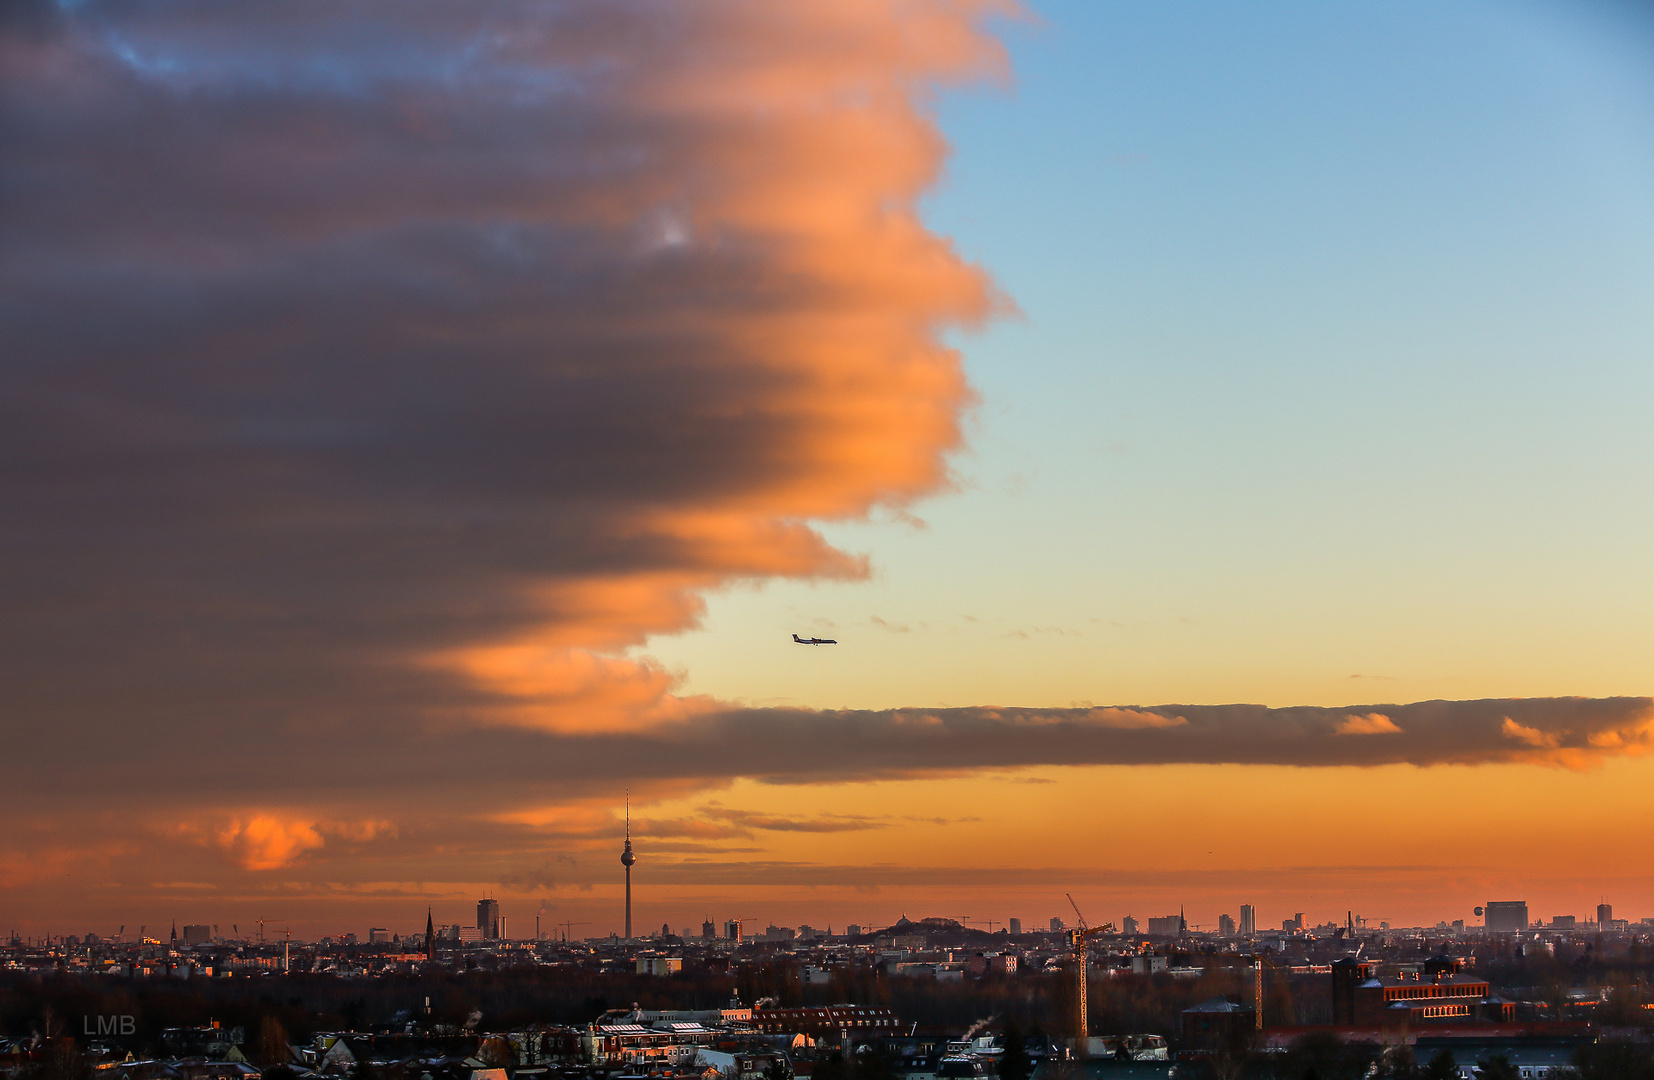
point(1529, 736)
point(1369, 724)
point(267, 841)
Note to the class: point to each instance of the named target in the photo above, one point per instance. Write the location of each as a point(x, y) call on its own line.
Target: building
point(197, 935)
point(488, 919)
point(1226, 926)
point(1218, 1023)
point(659, 965)
point(1605, 918)
point(827, 1020)
point(1128, 926)
point(732, 930)
point(1167, 925)
point(1438, 994)
point(853, 930)
point(1016, 927)
point(1505, 916)
point(745, 1066)
point(991, 964)
point(612, 1041)
point(709, 929)
point(1248, 920)
point(378, 935)
point(1294, 924)
point(1533, 1057)
point(1056, 925)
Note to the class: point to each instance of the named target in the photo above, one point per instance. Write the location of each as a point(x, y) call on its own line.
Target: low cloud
point(1370, 724)
point(267, 841)
point(823, 823)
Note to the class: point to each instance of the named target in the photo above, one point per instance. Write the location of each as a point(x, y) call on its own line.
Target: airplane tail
point(797, 638)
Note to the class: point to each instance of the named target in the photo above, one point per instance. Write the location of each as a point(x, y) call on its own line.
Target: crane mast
point(1077, 944)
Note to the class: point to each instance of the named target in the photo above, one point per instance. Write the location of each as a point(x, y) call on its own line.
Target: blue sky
point(1331, 381)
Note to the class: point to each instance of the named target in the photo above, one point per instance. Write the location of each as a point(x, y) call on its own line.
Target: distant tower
point(488, 918)
point(626, 860)
point(430, 937)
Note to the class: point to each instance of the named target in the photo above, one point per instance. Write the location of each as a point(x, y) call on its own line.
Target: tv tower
point(626, 860)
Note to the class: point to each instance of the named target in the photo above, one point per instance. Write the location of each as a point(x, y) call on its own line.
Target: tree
point(1442, 1067)
point(1615, 1060)
point(1498, 1067)
point(1396, 1063)
point(271, 1048)
point(1014, 1063)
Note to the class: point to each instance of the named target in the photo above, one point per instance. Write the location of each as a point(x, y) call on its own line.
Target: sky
point(1216, 437)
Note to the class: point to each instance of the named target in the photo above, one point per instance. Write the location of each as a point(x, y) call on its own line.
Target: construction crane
point(1077, 944)
point(567, 926)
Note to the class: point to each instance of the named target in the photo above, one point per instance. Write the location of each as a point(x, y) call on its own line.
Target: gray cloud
point(338, 339)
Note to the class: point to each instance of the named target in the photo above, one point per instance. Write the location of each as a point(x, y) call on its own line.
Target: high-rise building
point(1248, 920)
point(197, 935)
point(1056, 925)
point(1226, 926)
point(1016, 927)
point(1506, 916)
point(853, 930)
point(378, 935)
point(732, 930)
point(1128, 926)
point(488, 919)
point(1605, 917)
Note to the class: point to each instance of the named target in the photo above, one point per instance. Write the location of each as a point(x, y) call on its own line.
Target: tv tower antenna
point(626, 860)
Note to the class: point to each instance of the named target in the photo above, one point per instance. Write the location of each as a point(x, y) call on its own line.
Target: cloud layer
point(372, 376)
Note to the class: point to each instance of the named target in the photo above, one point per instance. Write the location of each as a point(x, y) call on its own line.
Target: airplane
point(814, 640)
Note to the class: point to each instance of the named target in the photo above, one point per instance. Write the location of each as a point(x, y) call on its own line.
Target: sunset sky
point(1218, 437)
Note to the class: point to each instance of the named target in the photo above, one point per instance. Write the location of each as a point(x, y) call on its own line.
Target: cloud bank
point(396, 363)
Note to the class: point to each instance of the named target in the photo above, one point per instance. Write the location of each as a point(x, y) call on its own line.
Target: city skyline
point(1215, 442)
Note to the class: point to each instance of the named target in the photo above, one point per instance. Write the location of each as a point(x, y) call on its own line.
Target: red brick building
point(826, 1020)
point(1438, 994)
